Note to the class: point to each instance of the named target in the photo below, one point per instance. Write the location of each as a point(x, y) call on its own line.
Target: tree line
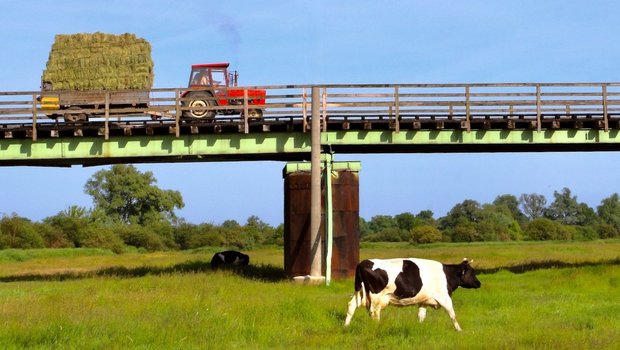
point(131, 211)
point(508, 218)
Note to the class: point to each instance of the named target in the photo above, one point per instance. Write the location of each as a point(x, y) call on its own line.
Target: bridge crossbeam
point(293, 146)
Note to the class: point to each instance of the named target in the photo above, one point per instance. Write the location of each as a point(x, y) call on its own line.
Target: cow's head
point(467, 276)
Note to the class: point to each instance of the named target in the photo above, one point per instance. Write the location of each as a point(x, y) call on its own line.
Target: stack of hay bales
point(99, 61)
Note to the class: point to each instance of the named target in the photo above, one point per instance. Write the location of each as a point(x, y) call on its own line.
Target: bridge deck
point(355, 118)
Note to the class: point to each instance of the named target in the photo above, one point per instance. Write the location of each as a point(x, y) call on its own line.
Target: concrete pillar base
point(311, 280)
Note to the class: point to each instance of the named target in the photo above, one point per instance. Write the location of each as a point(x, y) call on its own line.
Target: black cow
point(229, 257)
point(409, 281)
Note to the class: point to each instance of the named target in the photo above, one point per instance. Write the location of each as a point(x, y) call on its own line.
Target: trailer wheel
point(197, 100)
point(76, 117)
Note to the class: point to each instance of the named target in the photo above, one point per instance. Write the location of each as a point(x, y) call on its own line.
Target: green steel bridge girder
point(292, 146)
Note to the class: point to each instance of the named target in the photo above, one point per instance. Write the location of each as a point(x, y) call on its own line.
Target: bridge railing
point(413, 106)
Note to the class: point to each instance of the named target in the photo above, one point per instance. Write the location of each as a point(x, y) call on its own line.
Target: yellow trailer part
point(50, 103)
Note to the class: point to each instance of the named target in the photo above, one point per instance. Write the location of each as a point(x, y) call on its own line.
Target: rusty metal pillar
point(341, 218)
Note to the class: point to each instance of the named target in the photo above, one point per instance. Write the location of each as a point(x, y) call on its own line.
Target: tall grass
point(180, 304)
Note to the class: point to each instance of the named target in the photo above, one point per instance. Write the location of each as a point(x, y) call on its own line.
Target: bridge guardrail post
point(538, 109)
point(605, 115)
point(324, 109)
point(106, 123)
point(177, 113)
point(34, 117)
point(246, 126)
point(304, 109)
point(396, 108)
point(467, 109)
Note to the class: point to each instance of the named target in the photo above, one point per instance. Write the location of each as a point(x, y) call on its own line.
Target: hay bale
point(99, 61)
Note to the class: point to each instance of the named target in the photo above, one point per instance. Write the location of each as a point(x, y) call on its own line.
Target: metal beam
point(453, 141)
point(154, 148)
point(293, 146)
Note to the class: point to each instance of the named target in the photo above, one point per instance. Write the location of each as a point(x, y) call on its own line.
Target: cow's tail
point(359, 296)
point(360, 288)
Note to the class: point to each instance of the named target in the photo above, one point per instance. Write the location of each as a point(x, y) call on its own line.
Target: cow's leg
point(375, 308)
point(379, 302)
point(421, 313)
point(356, 301)
point(446, 303)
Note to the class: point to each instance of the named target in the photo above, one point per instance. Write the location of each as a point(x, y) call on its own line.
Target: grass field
point(93, 299)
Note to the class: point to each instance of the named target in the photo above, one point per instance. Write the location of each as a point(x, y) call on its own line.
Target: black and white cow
point(229, 257)
point(402, 282)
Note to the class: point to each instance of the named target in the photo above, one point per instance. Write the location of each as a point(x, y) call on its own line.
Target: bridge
point(314, 122)
point(354, 119)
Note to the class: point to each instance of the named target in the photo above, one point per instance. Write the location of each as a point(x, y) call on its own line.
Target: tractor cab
point(212, 75)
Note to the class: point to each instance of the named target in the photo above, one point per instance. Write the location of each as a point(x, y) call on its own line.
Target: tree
point(129, 196)
point(511, 204)
point(380, 223)
point(467, 211)
point(609, 211)
point(533, 205)
point(566, 210)
point(405, 221)
point(497, 224)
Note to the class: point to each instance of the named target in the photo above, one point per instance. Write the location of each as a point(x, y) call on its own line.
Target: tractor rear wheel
point(200, 102)
point(254, 114)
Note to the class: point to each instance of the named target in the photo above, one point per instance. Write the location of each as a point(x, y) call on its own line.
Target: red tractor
point(218, 88)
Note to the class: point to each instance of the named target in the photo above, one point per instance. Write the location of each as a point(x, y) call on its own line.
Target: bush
point(606, 230)
point(391, 234)
point(17, 232)
point(585, 233)
point(53, 237)
point(206, 238)
point(465, 232)
point(140, 237)
point(543, 229)
point(425, 234)
point(103, 238)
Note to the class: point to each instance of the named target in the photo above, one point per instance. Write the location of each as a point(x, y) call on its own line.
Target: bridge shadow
point(265, 273)
point(546, 264)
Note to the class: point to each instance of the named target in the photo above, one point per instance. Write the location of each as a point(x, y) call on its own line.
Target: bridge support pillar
point(343, 219)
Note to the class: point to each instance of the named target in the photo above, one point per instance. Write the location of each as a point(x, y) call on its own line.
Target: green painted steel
point(329, 216)
point(293, 167)
point(291, 146)
point(478, 137)
point(84, 150)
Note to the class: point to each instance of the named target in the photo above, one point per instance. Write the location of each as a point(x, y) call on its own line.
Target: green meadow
point(544, 295)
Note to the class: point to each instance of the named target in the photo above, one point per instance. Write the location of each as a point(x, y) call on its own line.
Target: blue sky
point(321, 41)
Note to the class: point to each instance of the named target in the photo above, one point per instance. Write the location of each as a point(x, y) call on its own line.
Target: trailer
point(79, 106)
